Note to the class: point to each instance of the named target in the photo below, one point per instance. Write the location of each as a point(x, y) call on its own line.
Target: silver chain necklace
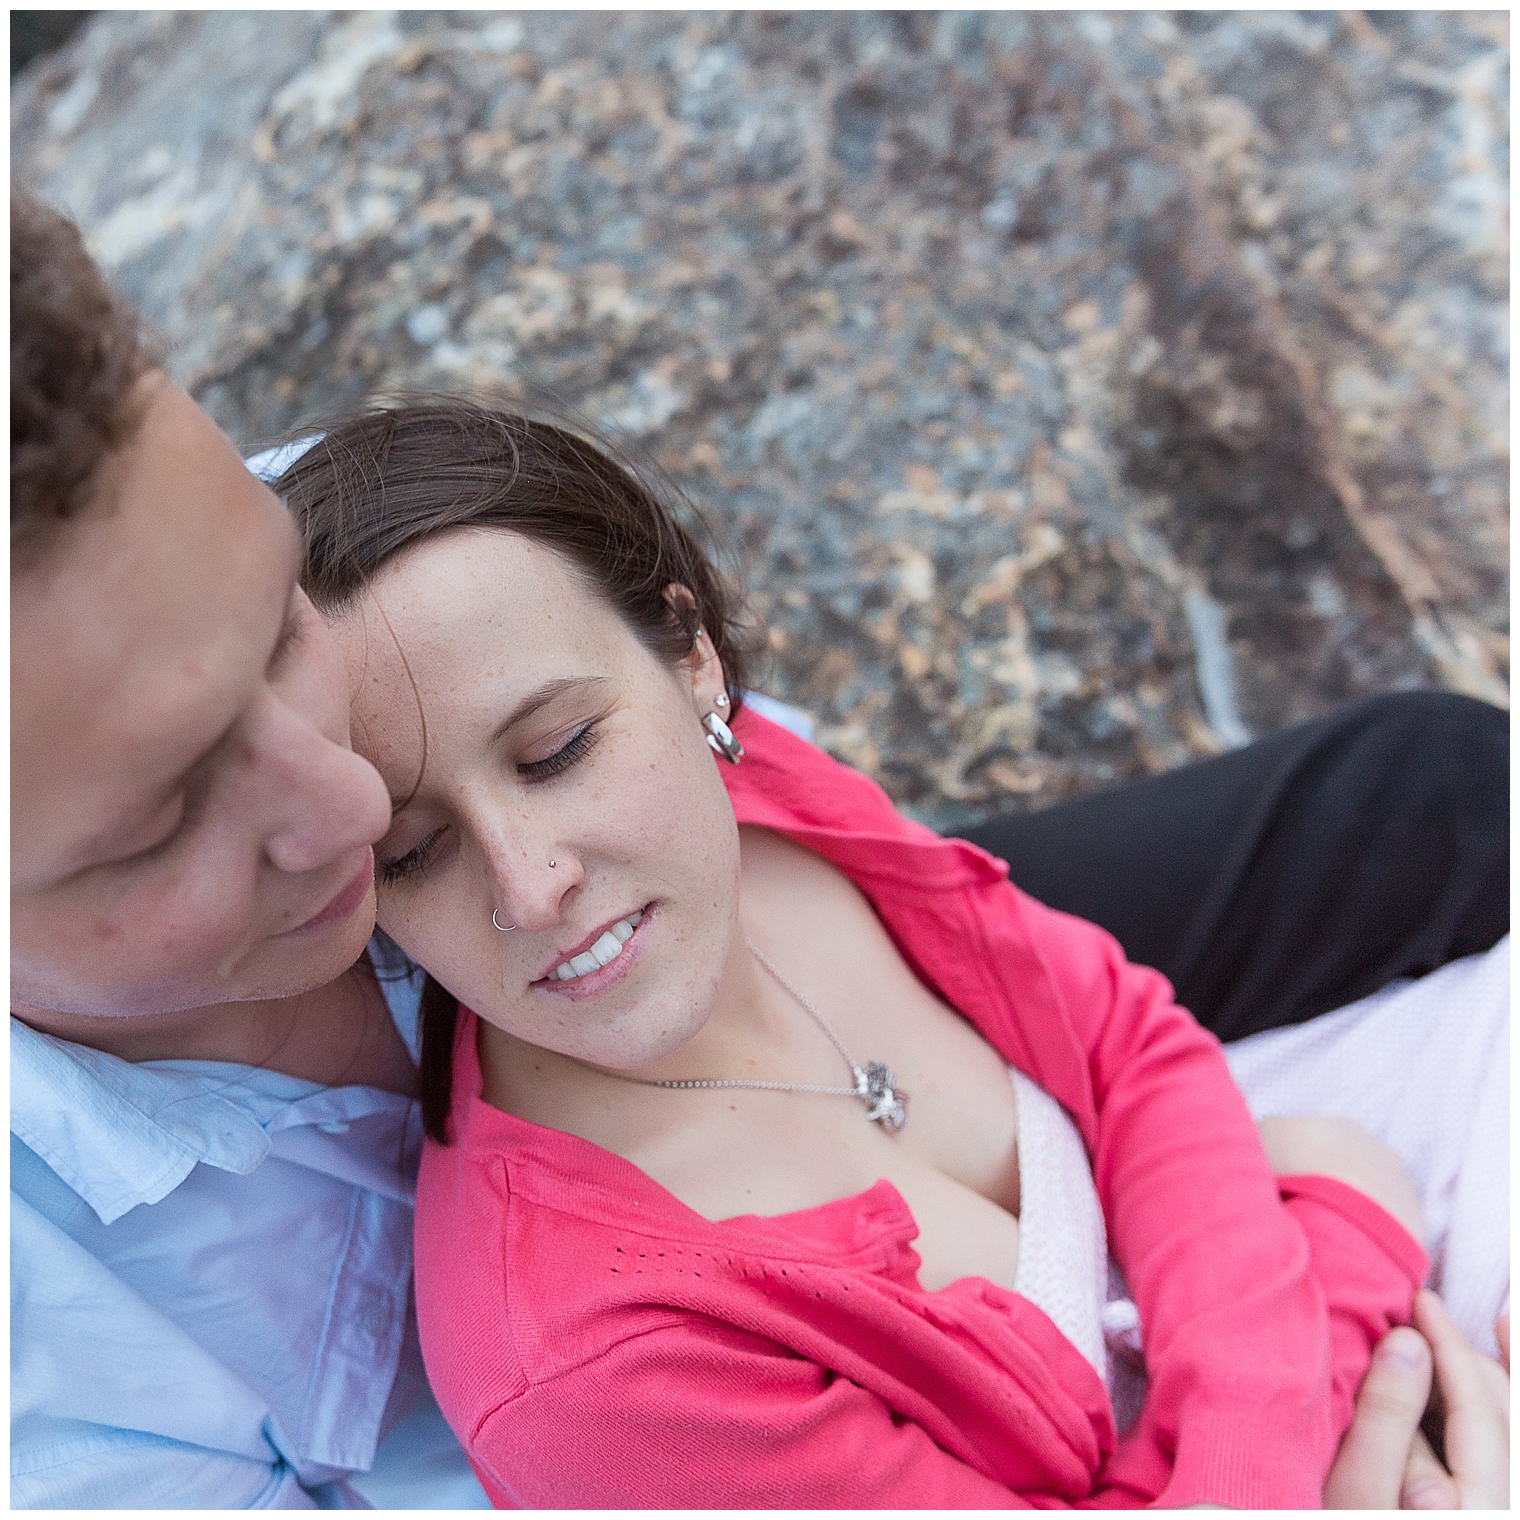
point(875, 1086)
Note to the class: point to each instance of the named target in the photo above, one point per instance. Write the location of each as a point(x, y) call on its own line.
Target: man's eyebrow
point(162, 796)
point(290, 627)
point(541, 696)
point(290, 632)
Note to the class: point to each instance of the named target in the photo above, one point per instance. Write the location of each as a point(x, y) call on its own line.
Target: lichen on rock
point(1080, 393)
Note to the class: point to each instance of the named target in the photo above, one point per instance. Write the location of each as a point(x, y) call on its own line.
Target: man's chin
point(280, 967)
point(292, 964)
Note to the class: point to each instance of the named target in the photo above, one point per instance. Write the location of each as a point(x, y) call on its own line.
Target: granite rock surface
point(1077, 394)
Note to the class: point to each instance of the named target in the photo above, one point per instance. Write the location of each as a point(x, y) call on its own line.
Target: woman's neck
point(754, 1031)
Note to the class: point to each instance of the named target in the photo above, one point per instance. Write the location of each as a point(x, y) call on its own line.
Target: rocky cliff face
point(1080, 393)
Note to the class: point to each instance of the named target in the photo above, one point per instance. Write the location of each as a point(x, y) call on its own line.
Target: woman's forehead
point(463, 629)
point(493, 567)
point(458, 590)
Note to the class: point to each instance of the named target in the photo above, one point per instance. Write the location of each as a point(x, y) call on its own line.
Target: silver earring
point(505, 928)
point(552, 864)
point(721, 740)
point(721, 700)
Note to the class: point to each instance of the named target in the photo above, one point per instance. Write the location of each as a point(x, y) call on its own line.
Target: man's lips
point(343, 906)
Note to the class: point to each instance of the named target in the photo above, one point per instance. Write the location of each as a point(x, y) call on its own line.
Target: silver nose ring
point(505, 928)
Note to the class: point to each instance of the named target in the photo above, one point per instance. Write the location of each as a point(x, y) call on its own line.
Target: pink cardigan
point(595, 1343)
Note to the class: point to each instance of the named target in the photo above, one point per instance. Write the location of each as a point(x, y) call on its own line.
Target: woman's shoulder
point(786, 774)
point(789, 785)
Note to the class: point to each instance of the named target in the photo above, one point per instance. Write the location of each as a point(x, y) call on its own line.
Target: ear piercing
point(721, 740)
point(721, 700)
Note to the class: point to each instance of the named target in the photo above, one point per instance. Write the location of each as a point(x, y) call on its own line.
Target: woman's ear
point(703, 668)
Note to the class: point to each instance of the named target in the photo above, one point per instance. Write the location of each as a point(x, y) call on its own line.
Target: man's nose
point(324, 801)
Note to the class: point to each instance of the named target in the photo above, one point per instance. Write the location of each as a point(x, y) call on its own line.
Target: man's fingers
point(1369, 1470)
point(1467, 1380)
point(1427, 1485)
point(1475, 1393)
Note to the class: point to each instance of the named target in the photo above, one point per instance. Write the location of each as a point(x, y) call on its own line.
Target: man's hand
point(1386, 1463)
point(1472, 1401)
point(1341, 1148)
point(1371, 1467)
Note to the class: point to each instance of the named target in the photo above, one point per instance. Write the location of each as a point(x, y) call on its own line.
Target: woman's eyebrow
point(541, 696)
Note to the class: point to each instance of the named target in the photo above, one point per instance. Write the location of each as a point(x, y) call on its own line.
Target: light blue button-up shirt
point(211, 1288)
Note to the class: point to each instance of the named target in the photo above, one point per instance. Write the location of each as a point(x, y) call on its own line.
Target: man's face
point(188, 823)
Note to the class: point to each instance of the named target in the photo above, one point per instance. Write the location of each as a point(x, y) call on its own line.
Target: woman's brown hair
point(400, 471)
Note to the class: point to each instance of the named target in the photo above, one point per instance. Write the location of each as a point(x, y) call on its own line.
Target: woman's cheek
point(439, 936)
point(407, 928)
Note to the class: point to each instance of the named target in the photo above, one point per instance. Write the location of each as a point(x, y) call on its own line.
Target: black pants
point(1282, 880)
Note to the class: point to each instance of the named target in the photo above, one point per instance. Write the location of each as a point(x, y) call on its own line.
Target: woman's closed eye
point(415, 860)
point(420, 856)
point(574, 750)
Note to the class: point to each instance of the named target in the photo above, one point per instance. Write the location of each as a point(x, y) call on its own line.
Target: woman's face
point(566, 785)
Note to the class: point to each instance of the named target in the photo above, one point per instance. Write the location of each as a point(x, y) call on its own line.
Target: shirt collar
point(121, 1133)
point(118, 1133)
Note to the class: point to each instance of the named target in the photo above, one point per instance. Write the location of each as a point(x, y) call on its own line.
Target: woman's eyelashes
point(415, 859)
point(419, 857)
point(575, 749)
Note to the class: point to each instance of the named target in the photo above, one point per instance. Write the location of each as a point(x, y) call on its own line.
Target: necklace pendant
point(877, 1089)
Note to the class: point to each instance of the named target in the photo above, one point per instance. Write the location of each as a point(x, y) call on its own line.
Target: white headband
point(270, 464)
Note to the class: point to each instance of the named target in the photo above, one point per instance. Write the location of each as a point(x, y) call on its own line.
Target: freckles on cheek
point(425, 937)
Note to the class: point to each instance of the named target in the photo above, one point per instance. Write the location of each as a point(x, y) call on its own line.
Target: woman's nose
point(528, 879)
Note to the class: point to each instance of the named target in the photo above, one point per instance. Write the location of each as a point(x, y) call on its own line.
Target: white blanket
point(1424, 1066)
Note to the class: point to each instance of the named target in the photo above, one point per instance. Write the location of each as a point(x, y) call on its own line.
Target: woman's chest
point(955, 1163)
point(790, 1154)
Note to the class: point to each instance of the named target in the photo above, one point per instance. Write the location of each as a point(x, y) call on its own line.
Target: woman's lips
point(346, 903)
point(603, 977)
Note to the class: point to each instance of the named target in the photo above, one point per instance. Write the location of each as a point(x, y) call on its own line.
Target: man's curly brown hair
point(77, 350)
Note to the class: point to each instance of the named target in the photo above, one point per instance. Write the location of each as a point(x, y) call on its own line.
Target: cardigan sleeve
point(1366, 1262)
point(698, 1413)
point(704, 1415)
point(1246, 1304)
point(1367, 1291)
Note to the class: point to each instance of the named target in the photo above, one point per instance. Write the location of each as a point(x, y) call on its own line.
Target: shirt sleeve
point(1244, 1407)
point(703, 1415)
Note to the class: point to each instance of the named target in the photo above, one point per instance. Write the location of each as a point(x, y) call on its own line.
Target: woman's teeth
point(607, 948)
